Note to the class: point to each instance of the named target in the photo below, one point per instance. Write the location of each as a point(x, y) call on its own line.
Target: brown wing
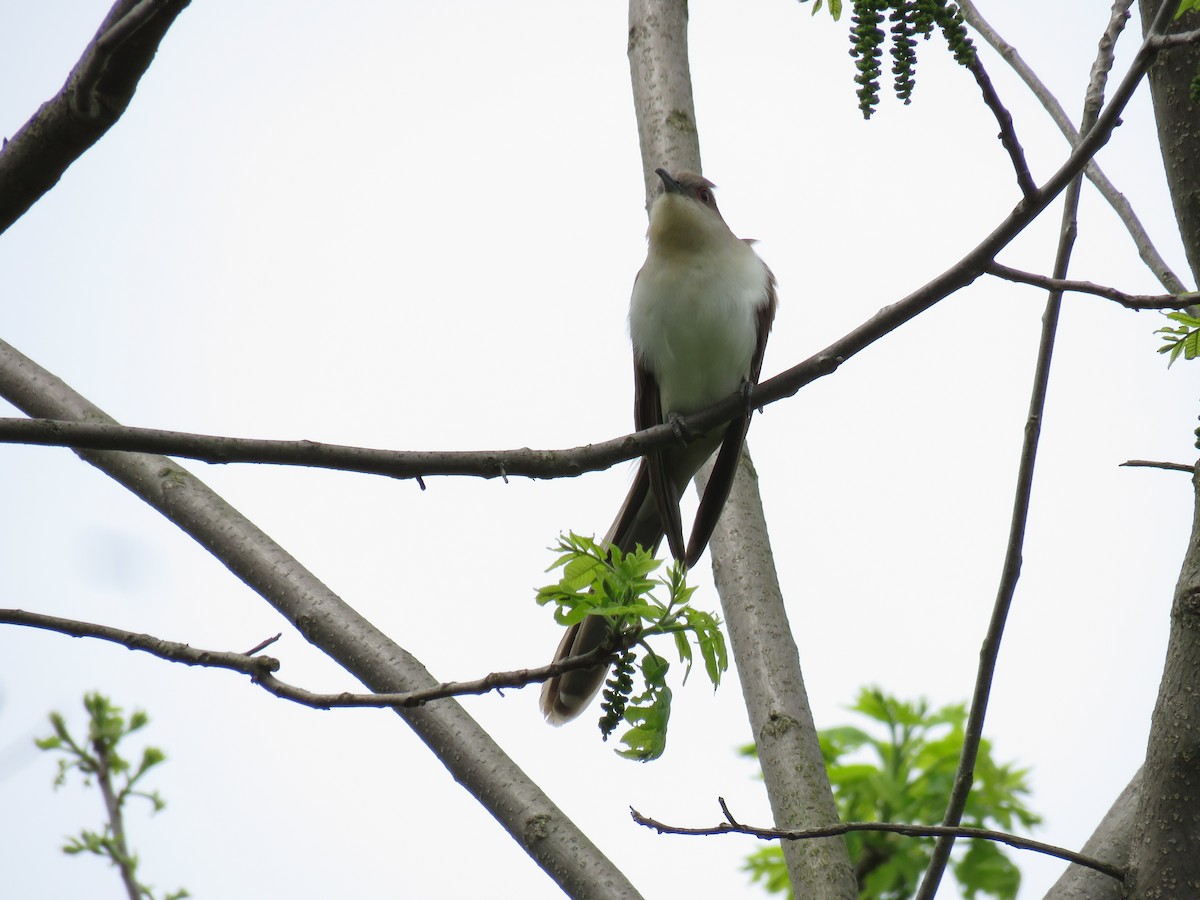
point(720, 483)
point(647, 412)
point(766, 316)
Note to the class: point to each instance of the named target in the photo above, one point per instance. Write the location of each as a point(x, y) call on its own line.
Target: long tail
point(637, 524)
point(566, 696)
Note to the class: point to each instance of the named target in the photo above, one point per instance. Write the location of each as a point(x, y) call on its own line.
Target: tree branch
point(1167, 41)
point(95, 95)
point(474, 760)
point(1062, 285)
point(1162, 857)
point(1008, 132)
point(1011, 570)
point(106, 434)
point(1120, 204)
point(768, 665)
point(986, 834)
point(1151, 464)
point(413, 464)
point(261, 669)
point(1110, 841)
point(668, 135)
point(116, 820)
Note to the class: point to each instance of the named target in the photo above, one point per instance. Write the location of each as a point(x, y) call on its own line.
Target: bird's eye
point(704, 196)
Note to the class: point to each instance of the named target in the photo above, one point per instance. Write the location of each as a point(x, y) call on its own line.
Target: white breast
point(693, 321)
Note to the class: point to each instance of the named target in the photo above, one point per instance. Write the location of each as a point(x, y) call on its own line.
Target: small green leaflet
point(602, 581)
point(1185, 338)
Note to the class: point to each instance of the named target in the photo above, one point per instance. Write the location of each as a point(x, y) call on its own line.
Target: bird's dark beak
point(670, 185)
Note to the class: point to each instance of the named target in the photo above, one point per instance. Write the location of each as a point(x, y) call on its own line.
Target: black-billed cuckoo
point(702, 306)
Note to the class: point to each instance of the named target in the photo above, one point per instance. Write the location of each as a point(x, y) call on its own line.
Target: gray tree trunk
point(768, 665)
point(763, 648)
point(1109, 843)
point(1178, 122)
point(1164, 857)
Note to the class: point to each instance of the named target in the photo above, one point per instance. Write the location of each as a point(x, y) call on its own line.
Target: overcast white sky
point(416, 226)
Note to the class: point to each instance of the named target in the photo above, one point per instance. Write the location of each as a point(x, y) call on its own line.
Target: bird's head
point(685, 215)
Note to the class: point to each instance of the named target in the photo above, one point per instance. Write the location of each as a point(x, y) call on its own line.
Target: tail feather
point(565, 696)
point(637, 525)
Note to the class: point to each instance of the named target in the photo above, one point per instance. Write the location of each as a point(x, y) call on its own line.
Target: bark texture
point(768, 665)
point(1109, 843)
point(1164, 858)
point(1178, 122)
point(328, 622)
point(750, 596)
point(95, 95)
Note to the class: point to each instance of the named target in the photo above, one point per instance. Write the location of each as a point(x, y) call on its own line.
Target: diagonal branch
point(962, 273)
point(1011, 570)
point(1062, 285)
point(475, 760)
point(95, 95)
point(99, 434)
point(1120, 204)
point(418, 464)
point(1008, 132)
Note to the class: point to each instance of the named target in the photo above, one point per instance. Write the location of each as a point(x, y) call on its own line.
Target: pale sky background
point(416, 226)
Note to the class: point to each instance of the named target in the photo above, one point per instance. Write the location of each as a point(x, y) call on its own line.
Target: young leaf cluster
point(616, 586)
point(99, 761)
point(906, 775)
point(1183, 339)
point(909, 19)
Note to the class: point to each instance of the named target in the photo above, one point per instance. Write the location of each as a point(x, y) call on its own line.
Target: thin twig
point(1167, 41)
point(1012, 840)
point(1008, 132)
point(1120, 204)
point(264, 644)
point(260, 669)
point(1151, 464)
point(116, 821)
point(1011, 571)
point(1129, 301)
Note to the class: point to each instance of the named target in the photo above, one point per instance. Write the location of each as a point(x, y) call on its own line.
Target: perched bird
point(701, 310)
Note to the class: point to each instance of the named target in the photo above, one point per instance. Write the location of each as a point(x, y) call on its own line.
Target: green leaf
point(621, 588)
point(900, 767)
point(647, 739)
point(984, 869)
point(1186, 6)
point(767, 866)
point(638, 610)
point(572, 615)
point(99, 761)
point(1182, 340)
point(684, 648)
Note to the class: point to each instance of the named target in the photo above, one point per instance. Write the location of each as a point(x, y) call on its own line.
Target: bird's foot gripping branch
point(603, 586)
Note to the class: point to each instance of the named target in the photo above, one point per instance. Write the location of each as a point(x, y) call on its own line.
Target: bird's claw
point(682, 433)
point(747, 392)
